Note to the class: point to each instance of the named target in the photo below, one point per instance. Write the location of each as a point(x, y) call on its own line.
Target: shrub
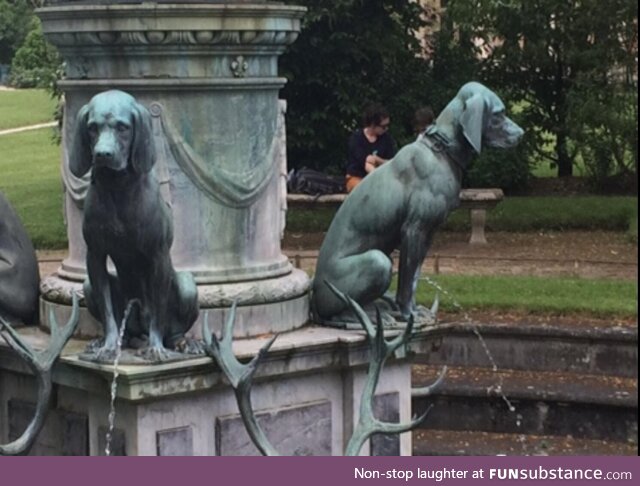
point(36, 63)
point(506, 169)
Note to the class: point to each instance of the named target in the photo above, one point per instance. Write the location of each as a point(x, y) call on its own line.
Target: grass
point(525, 214)
point(19, 108)
point(598, 298)
point(29, 163)
point(309, 220)
point(516, 214)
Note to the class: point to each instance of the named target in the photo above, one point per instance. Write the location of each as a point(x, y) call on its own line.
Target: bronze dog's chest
point(118, 221)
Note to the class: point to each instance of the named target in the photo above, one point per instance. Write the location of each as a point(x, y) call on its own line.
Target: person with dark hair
point(369, 147)
point(422, 118)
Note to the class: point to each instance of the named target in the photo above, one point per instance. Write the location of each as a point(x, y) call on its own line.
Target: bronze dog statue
point(19, 275)
point(400, 206)
point(126, 220)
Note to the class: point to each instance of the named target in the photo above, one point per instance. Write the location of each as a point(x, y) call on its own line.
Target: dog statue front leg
point(155, 290)
point(98, 296)
point(413, 250)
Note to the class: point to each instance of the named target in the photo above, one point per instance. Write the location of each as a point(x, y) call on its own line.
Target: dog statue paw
point(157, 354)
point(190, 346)
point(389, 315)
point(100, 352)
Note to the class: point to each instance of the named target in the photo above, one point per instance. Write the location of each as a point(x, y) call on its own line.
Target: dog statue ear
point(143, 154)
point(472, 121)
point(80, 152)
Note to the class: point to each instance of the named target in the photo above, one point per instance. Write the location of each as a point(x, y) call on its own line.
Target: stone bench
point(477, 201)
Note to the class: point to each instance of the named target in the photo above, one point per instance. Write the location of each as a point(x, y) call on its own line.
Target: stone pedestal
point(306, 395)
point(208, 74)
point(478, 202)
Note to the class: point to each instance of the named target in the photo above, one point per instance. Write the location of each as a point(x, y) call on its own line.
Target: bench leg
point(478, 220)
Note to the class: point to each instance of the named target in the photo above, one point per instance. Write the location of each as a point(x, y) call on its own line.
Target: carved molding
point(153, 24)
point(280, 289)
point(173, 37)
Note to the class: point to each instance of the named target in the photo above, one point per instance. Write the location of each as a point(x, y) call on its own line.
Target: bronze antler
point(381, 349)
point(41, 363)
point(239, 375)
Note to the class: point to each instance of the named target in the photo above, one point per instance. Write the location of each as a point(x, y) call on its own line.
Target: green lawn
point(517, 214)
point(523, 214)
point(602, 298)
point(24, 107)
point(29, 164)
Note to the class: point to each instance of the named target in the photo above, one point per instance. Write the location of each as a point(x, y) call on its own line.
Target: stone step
point(474, 443)
point(533, 346)
point(523, 402)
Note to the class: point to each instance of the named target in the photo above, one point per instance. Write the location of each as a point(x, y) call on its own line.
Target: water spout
point(114, 382)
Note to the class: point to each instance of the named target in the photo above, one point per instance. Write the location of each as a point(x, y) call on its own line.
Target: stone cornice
point(147, 84)
point(154, 24)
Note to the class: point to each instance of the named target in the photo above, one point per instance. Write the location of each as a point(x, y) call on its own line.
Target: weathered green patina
point(40, 363)
point(400, 206)
point(19, 276)
point(126, 220)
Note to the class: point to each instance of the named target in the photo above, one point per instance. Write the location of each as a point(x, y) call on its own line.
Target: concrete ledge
point(306, 394)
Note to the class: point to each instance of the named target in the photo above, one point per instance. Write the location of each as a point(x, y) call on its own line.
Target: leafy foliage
point(559, 57)
point(37, 63)
point(16, 20)
point(349, 53)
point(506, 169)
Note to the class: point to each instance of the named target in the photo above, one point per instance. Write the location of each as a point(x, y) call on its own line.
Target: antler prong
point(429, 389)
point(16, 343)
point(381, 349)
point(239, 375)
point(357, 310)
point(252, 366)
point(41, 363)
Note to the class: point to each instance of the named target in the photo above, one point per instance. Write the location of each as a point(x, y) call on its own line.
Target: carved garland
point(234, 189)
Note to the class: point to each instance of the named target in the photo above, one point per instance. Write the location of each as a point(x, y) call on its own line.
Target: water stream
point(114, 382)
point(476, 331)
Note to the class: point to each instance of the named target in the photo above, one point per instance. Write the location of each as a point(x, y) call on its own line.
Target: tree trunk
point(565, 163)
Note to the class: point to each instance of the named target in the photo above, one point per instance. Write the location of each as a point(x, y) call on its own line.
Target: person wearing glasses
point(369, 147)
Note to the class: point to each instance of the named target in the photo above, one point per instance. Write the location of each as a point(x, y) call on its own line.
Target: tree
point(351, 52)
point(16, 20)
point(543, 52)
point(37, 63)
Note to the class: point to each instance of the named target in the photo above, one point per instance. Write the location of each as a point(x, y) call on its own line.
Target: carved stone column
point(208, 74)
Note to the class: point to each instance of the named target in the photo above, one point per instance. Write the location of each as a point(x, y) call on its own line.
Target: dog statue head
point(483, 119)
point(112, 131)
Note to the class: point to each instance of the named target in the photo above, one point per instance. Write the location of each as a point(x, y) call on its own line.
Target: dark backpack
point(308, 181)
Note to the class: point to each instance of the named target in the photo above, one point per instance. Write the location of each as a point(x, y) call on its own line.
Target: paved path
point(594, 254)
point(9, 131)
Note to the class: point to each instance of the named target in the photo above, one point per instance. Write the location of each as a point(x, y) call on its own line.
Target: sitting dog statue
point(126, 220)
point(400, 205)
point(19, 275)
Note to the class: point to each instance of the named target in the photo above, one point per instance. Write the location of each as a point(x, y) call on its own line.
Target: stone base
point(264, 306)
point(306, 396)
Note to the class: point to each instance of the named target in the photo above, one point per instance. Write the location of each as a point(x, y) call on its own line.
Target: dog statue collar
point(439, 142)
